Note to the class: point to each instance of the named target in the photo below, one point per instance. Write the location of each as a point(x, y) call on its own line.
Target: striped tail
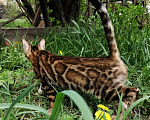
point(109, 30)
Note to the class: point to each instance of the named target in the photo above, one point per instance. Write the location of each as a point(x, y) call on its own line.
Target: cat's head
point(30, 51)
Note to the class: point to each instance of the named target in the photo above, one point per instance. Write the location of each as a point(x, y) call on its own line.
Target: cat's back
point(83, 72)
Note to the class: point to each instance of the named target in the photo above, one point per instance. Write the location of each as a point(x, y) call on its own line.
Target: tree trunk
point(61, 11)
point(24, 9)
point(1, 38)
point(123, 2)
point(37, 17)
point(43, 4)
point(89, 9)
point(107, 4)
point(29, 9)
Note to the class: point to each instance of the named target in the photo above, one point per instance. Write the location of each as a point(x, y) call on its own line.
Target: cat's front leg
point(40, 91)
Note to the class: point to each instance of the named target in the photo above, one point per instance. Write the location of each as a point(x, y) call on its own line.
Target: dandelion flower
point(103, 107)
point(60, 52)
point(100, 115)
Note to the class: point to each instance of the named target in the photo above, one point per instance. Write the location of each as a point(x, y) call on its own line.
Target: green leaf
point(57, 106)
point(18, 98)
point(79, 101)
point(119, 107)
point(76, 24)
point(27, 106)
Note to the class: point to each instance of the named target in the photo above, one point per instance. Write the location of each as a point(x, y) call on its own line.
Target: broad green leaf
point(57, 106)
point(79, 101)
point(27, 106)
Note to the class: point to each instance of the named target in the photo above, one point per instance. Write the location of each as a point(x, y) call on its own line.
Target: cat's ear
point(26, 46)
point(41, 45)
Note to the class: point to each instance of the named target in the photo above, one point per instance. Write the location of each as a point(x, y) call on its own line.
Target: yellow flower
point(100, 115)
point(60, 52)
point(131, 37)
point(103, 107)
point(119, 38)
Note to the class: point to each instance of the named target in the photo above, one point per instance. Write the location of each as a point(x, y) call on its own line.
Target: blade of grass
point(4, 92)
point(18, 98)
point(1, 112)
point(27, 106)
point(119, 107)
point(57, 106)
point(78, 28)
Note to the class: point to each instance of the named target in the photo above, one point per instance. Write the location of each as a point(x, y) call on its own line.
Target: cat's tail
point(108, 27)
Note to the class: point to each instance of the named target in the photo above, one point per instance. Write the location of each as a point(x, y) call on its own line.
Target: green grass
point(87, 41)
point(18, 23)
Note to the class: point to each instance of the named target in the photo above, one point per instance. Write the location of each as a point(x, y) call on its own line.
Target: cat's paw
point(49, 111)
point(113, 117)
point(40, 91)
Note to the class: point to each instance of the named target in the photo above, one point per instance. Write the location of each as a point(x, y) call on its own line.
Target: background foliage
point(84, 38)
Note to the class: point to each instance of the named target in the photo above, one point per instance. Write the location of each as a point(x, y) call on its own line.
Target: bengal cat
point(100, 76)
